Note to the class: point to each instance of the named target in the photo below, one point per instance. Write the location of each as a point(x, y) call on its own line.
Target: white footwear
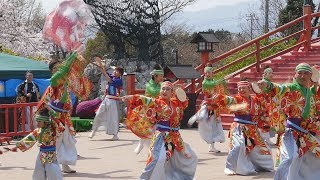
point(115, 138)
point(212, 149)
point(92, 134)
point(138, 149)
point(67, 169)
point(229, 172)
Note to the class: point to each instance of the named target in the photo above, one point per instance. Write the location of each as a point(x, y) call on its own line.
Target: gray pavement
point(101, 158)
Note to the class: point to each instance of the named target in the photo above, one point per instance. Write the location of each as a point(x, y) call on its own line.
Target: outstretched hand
point(15, 149)
point(98, 60)
point(126, 98)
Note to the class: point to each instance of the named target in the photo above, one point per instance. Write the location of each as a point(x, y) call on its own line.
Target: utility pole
point(251, 19)
point(175, 51)
point(266, 16)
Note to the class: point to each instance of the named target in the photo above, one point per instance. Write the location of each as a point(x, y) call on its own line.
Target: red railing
point(10, 124)
point(304, 41)
point(304, 44)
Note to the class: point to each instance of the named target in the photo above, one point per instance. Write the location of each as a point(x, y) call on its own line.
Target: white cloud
point(200, 5)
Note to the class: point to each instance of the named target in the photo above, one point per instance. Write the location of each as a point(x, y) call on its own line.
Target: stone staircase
point(283, 72)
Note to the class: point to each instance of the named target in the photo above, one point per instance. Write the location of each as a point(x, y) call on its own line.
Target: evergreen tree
point(292, 11)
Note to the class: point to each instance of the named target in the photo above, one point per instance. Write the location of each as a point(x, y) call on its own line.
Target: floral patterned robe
point(155, 111)
point(60, 88)
point(299, 103)
point(255, 109)
point(167, 155)
point(46, 138)
point(300, 149)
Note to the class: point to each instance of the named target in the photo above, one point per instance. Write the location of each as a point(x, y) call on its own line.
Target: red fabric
point(65, 25)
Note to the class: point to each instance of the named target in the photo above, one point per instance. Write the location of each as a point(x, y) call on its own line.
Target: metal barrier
point(13, 119)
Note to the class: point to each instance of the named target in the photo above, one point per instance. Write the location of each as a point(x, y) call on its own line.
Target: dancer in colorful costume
point(107, 114)
point(210, 127)
point(67, 77)
point(46, 163)
point(248, 151)
point(300, 149)
point(266, 100)
point(170, 157)
point(153, 91)
point(65, 28)
point(275, 121)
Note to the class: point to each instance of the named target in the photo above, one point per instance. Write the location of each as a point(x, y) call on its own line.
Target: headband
point(208, 69)
point(167, 84)
point(157, 72)
point(42, 118)
point(303, 67)
point(267, 71)
point(243, 83)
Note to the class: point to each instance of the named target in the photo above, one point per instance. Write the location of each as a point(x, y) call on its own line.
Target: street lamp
point(205, 42)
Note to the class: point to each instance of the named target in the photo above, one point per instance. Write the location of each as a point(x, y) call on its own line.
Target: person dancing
point(300, 148)
point(47, 166)
point(153, 91)
point(248, 151)
point(169, 157)
point(210, 128)
point(107, 114)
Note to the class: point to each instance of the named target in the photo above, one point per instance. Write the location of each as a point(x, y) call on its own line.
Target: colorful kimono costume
point(68, 78)
point(46, 164)
point(264, 126)
point(167, 159)
point(248, 152)
point(107, 114)
point(299, 149)
point(275, 122)
point(210, 128)
point(153, 91)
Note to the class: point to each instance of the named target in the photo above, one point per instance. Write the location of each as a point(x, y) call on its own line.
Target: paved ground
point(104, 159)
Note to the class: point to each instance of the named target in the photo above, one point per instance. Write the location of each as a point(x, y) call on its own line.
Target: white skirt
point(238, 162)
point(66, 148)
point(211, 130)
point(178, 167)
point(107, 116)
point(47, 171)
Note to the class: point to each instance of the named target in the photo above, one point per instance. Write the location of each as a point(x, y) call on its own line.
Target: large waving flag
point(65, 25)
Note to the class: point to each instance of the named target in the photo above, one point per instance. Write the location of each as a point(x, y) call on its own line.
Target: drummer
point(248, 152)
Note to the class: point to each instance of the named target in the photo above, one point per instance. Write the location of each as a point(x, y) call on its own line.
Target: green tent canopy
point(15, 67)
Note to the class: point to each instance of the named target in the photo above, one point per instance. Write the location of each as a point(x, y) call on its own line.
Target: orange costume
point(167, 144)
point(248, 152)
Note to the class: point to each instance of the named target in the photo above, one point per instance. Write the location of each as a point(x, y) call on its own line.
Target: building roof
point(15, 67)
point(183, 71)
point(205, 36)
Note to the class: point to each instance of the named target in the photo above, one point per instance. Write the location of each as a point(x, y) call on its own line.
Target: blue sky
point(201, 15)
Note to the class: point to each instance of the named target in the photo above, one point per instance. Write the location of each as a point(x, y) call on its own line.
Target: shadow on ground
point(101, 175)
point(119, 145)
point(14, 167)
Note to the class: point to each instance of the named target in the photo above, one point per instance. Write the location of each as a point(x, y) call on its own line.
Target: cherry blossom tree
point(21, 28)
